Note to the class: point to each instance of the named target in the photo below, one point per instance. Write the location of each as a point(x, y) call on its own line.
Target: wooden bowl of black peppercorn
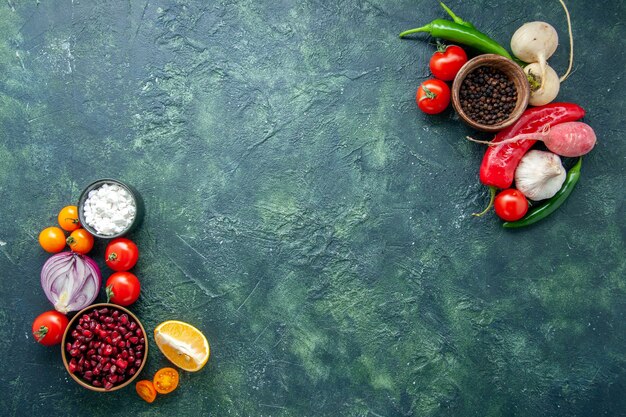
point(490, 92)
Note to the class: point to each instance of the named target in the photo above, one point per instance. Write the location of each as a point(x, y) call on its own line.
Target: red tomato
point(123, 288)
point(511, 205)
point(433, 96)
point(48, 327)
point(447, 61)
point(121, 254)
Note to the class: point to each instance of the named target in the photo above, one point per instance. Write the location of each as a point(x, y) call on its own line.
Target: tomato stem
point(70, 240)
point(441, 47)
point(112, 256)
point(492, 192)
point(41, 333)
point(109, 292)
point(429, 94)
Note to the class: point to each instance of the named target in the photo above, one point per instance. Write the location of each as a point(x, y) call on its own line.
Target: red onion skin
point(67, 265)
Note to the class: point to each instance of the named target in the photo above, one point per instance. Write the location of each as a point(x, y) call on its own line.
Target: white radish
point(569, 139)
point(551, 85)
point(535, 42)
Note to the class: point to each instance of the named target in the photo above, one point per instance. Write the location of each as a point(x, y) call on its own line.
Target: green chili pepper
point(462, 32)
point(551, 205)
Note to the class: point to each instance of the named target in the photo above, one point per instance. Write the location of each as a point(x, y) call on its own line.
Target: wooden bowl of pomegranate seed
point(104, 347)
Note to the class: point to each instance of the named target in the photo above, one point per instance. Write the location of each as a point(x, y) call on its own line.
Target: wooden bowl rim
point(70, 325)
point(510, 68)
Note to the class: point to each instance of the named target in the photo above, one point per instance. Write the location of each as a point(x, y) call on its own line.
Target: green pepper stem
point(456, 18)
point(426, 28)
point(492, 197)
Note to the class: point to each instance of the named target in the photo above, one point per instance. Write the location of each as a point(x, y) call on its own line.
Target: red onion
point(71, 281)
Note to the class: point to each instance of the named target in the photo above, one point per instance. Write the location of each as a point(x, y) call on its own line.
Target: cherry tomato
point(68, 218)
point(165, 380)
point(123, 288)
point(48, 327)
point(80, 241)
point(447, 61)
point(146, 390)
point(121, 254)
point(52, 239)
point(511, 205)
point(433, 96)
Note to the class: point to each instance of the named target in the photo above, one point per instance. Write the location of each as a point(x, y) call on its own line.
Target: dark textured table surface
point(305, 215)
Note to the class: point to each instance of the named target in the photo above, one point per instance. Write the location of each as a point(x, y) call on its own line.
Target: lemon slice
point(184, 345)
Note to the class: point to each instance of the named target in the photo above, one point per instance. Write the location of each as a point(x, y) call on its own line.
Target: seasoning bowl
point(139, 207)
point(512, 70)
point(72, 326)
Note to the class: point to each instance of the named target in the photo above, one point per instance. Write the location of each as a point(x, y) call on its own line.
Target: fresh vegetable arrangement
point(488, 97)
point(104, 346)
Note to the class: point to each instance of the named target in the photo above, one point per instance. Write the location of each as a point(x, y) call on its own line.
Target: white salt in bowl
point(112, 217)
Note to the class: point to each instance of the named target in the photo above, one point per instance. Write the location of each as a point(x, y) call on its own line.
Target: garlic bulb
point(539, 175)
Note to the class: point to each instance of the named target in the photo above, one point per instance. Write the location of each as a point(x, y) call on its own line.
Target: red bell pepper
point(499, 163)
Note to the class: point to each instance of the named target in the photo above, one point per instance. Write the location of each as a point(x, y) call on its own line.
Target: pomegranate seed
point(123, 330)
point(87, 333)
point(131, 371)
point(108, 320)
point(138, 348)
point(79, 328)
point(90, 352)
point(139, 354)
point(110, 325)
point(103, 310)
point(88, 375)
point(130, 358)
point(142, 340)
point(112, 378)
point(128, 335)
point(96, 371)
point(124, 318)
point(82, 348)
point(102, 334)
point(112, 369)
point(85, 317)
point(139, 333)
point(96, 314)
point(108, 385)
point(74, 352)
point(93, 363)
point(107, 350)
point(121, 344)
point(72, 366)
point(108, 340)
point(138, 363)
point(93, 325)
point(97, 344)
point(68, 346)
point(96, 383)
point(116, 314)
point(121, 363)
point(115, 340)
point(124, 354)
point(134, 340)
point(74, 334)
point(106, 367)
point(87, 365)
point(132, 326)
point(81, 361)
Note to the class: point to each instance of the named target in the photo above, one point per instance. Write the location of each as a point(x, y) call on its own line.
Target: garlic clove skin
point(539, 175)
